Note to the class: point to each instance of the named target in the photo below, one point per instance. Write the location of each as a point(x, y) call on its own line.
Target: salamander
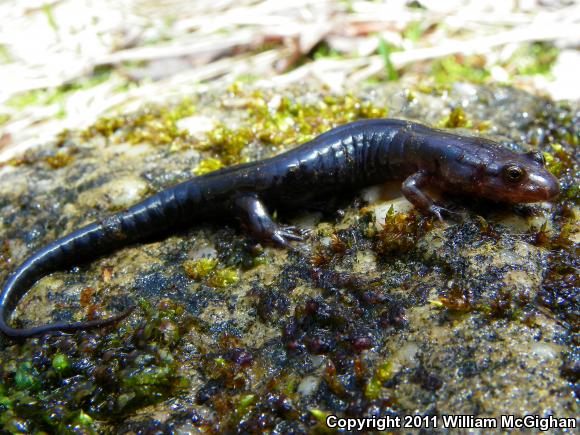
point(348, 157)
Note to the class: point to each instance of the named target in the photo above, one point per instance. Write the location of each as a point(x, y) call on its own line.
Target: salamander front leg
point(258, 222)
point(412, 190)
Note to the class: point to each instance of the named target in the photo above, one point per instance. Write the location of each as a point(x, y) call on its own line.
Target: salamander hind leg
point(256, 219)
point(411, 188)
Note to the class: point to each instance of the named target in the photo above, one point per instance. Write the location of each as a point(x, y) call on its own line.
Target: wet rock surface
point(380, 312)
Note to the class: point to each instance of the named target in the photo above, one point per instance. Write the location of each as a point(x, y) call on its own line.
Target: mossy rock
point(379, 311)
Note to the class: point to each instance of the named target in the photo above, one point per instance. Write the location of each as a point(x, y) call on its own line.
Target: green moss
point(271, 121)
point(199, 269)
point(130, 368)
point(59, 160)
point(224, 278)
point(458, 68)
point(288, 123)
point(431, 88)
point(562, 163)
point(411, 96)
point(60, 363)
point(81, 423)
point(56, 95)
point(256, 261)
point(384, 371)
point(143, 377)
point(559, 160)
point(206, 270)
point(220, 362)
point(573, 193)
point(208, 165)
point(459, 119)
point(373, 389)
point(400, 232)
point(374, 385)
point(536, 58)
point(320, 418)
point(56, 160)
point(555, 129)
point(227, 144)
point(154, 124)
point(26, 377)
point(245, 402)
point(456, 119)
point(483, 126)
point(319, 415)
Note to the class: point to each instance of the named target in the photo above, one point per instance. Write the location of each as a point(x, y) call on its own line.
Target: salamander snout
point(546, 184)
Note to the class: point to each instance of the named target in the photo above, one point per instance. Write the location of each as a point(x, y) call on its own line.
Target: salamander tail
point(61, 327)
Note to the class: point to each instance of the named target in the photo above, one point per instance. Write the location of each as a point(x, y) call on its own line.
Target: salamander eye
point(513, 173)
point(537, 156)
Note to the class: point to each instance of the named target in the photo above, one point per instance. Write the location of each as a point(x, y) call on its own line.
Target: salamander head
point(514, 178)
point(483, 168)
point(520, 178)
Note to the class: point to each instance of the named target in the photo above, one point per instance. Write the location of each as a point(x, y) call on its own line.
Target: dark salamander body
point(348, 157)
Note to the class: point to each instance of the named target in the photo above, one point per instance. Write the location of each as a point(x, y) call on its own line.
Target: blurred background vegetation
point(65, 63)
